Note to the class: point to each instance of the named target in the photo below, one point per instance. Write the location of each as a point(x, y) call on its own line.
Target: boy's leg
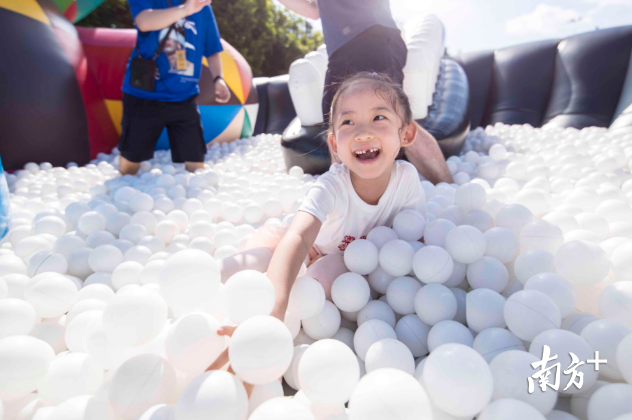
point(186, 139)
point(127, 167)
point(427, 157)
point(141, 126)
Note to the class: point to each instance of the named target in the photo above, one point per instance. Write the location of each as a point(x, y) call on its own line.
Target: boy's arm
point(307, 8)
point(156, 19)
point(288, 257)
point(222, 93)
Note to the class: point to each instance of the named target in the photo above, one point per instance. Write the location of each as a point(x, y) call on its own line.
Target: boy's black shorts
point(378, 49)
point(144, 120)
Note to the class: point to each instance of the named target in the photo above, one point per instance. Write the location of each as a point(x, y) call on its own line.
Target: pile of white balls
point(111, 290)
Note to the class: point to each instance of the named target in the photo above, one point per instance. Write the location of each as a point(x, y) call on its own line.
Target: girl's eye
point(379, 117)
point(347, 122)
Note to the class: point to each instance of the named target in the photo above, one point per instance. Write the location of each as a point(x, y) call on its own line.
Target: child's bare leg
point(127, 167)
point(192, 166)
point(427, 157)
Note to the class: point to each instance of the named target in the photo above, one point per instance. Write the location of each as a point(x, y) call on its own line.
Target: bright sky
point(473, 25)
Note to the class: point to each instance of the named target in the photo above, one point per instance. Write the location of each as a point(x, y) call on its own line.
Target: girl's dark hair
point(384, 86)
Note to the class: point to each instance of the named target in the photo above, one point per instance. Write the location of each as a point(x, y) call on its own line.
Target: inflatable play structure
point(63, 101)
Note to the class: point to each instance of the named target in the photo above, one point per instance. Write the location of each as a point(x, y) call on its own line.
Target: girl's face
point(367, 132)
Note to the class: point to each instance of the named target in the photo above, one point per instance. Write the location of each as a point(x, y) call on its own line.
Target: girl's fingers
point(226, 330)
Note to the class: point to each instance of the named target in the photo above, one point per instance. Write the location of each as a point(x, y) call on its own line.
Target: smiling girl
point(370, 122)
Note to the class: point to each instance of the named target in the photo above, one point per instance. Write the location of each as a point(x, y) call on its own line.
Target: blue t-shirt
point(197, 35)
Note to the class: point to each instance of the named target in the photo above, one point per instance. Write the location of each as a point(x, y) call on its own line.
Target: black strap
point(162, 43)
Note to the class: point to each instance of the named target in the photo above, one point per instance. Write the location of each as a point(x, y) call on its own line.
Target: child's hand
point(222, 93)
point(222, 359)
point(193, 6)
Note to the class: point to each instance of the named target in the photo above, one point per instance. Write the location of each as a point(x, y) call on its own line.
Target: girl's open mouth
point(367, 156)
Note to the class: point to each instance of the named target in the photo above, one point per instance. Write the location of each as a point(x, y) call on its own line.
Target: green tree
point(268, 37)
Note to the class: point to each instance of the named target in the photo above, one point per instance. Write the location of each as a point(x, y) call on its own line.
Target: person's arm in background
point(156, 19)
point(307, 8)
point(222, 93)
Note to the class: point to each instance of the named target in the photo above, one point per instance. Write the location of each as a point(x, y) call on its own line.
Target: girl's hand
point(222, 359)
point(222, 93)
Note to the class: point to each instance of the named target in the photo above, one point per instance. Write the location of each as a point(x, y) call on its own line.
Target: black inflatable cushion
point(589, 73)
point(521, 83)
point(280, 107)
point(478, 68)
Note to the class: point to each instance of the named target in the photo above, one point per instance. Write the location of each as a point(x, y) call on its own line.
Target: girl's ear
point(409, 134)
point(333, 144)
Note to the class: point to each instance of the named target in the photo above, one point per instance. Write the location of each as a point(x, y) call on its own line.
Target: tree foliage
point(269, 38)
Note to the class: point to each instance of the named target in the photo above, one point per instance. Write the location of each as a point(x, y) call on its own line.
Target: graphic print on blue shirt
point(192, 38)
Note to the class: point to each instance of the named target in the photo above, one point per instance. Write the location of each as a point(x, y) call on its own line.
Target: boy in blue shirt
point(186, 30)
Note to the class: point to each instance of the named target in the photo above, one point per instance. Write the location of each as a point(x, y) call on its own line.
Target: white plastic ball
point(462, 382)
point(491, 342)
point(376, 309)
point(466, 244)
point(51, 294)
point(281, 408)
point(307, 298)
point(217, 394)
point(370, 332)
point(436, 232)
point(610, 401)
point(562, 343)
point(470, 197)
point(105, 258)
point(361, 256)
point(70, 375)
point(435, 303)
point(389, 393)
point(604, 336)
point(126, 273)
point(513, 217)
point(328, 372)
point(510, 408)
point(557, 288)
point(540, 234)
point(350, 292)
point(502, 244)
point(530, 263)
point(531, 312)
point(324, 324)
point(409, 225)
point(582, 262)
point(134, 317)
point(91, 222)
point(615, 302)
point(261, 350)
point(247, 294)
point(189, 278)
point(413, 332)
point(449, 331)
point(17, 317)
point(488, 273)
point(380, 235)
point(25, 361)
point(484, 308)
point(389, 353)
point(433, 264)
point(192, 343)
point(400, 295)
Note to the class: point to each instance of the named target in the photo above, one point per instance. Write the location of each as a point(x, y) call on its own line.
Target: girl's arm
point(307, 8)
point(288, 257)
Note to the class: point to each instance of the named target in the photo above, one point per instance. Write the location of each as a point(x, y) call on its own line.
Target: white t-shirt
point(346, 217)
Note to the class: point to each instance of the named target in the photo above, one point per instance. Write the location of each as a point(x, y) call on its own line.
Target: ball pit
point(127, 275)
